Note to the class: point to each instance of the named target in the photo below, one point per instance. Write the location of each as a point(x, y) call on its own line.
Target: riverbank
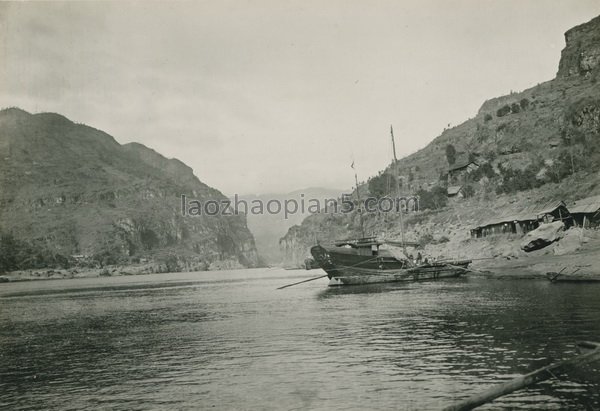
point(80, 272)
point(497, 257)
point(111, 271)
point(502, 258)
point(535, 266)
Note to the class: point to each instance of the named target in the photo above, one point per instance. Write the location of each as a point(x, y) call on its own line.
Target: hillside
point(538, 144)
point(269, 228)
point(71, 194)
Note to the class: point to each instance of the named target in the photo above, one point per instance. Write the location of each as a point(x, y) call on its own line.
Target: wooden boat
point(581, 274)
point(364, 261)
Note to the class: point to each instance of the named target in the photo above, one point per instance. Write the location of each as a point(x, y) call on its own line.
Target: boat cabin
point(369, 246)
point(362, 246)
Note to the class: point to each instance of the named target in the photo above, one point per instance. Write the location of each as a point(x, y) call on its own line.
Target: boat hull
point(367, 271)
point(358, 277)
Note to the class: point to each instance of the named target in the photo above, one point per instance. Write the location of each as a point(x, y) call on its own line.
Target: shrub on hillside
point(111, 255)
point(487, 117)
point(433, 200)
point(580, 135)
point(382, 185)
point(515, 108)
point(468, 190)
point(514, 180)
point(485, 170)
point(8, 251)
point(443, 178)
point(450, 154)
point(20, 255)
point(171, 263)
point(490, 155)
point(149, 239)
point(482, 134)
point(524, 103)
point(502, 111)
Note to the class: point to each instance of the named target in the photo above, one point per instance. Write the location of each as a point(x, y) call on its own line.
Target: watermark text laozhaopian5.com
point(288, 207)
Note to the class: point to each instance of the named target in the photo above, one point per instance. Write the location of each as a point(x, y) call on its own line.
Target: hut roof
point(550, 207)
point(530, 213)
point(586, 205)
point(453, 190)
point(461, 164)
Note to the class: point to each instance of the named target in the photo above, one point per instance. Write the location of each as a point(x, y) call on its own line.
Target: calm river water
point(229, 340)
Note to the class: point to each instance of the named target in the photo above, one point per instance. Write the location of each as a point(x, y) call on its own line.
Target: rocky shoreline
point(107, 271)
point(502, 260)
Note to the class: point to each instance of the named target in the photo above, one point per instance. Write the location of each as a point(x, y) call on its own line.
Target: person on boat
point(419, 258)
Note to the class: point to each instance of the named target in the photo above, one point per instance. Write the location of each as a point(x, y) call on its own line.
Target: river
point(230, 340)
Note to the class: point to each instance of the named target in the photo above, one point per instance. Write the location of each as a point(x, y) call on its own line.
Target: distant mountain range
point(269, 228)
point(68, 190)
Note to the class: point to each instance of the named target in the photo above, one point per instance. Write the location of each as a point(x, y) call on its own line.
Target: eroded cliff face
point(68, 189)
point(581, 55)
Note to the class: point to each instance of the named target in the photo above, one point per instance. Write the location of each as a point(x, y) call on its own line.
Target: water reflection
point(233, 341)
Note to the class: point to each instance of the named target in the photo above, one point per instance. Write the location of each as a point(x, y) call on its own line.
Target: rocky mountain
point(69, 191)
point(538, 143)
point(268, 228)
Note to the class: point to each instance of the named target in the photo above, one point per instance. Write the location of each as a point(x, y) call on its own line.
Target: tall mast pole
point(398, 182)
point(360, 216)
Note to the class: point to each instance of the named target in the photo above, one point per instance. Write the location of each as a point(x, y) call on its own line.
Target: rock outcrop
point(581, 54)
point(542, 236)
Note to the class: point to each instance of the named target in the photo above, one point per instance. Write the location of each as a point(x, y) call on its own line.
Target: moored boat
point(367, 261)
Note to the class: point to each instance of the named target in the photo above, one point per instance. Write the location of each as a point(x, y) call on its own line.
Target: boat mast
point(362, 226)
point(398, 182)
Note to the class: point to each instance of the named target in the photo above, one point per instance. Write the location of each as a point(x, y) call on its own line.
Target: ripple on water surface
point(229, 340)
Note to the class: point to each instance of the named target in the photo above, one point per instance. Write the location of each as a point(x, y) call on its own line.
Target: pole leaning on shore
point(534, 377)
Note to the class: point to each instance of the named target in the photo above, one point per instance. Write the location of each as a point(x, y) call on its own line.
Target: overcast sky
point(273, 96)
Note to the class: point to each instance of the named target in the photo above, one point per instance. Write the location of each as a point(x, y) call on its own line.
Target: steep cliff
point(68, 189)
point(581, 55)
point(530, 144)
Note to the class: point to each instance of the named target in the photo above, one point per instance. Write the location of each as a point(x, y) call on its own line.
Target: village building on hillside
point(586, 212)
point(457, 173)
point(521, 222)
point(455, 192)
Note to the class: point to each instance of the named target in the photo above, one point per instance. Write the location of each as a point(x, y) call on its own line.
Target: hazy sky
point(263, 96)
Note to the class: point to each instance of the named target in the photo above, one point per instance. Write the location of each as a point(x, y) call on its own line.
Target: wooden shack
point(586, 212)
point(458, 172)
point(523, 221)
point(455, 192)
